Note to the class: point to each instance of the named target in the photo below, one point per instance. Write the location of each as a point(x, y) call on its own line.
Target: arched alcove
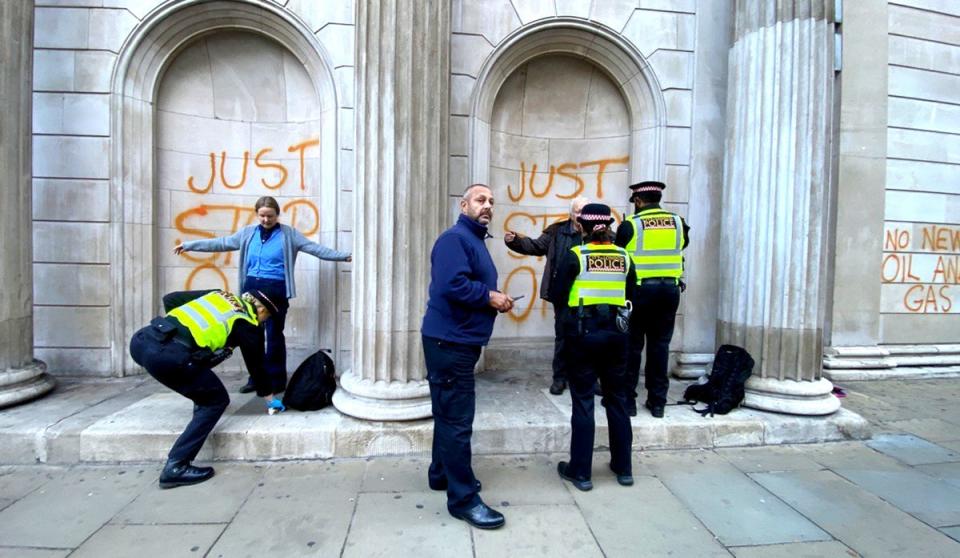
point(561, 108)
point(151, 47)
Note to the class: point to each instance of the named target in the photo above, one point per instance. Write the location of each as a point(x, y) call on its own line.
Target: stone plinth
point(21, 377)
point(777, 198)
point(401, 133)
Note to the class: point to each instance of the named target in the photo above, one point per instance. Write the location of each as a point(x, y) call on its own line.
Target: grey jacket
point(293, 242)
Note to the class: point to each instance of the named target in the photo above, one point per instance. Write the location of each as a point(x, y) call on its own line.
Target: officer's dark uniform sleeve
point(179, 298)
point(631, 279)
point(566, 274)
point(249, 338)
point(624, 233)
point(686, 232)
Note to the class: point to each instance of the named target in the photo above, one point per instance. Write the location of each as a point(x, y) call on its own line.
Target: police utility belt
point(166, 330)
point(605, 313)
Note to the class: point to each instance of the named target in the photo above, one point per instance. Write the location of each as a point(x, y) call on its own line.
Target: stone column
point(21, 377)
point(402, 77)
point(776, 200)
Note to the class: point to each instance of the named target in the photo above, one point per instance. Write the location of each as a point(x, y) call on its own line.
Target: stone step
point(535, 354)
point(136, 419)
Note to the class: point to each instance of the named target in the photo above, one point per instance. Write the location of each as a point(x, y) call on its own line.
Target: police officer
point(598, 278)
point(654, 238)
point(180, 349)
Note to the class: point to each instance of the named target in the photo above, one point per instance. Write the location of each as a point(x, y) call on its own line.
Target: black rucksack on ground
point(312, 385)
point(723, 391)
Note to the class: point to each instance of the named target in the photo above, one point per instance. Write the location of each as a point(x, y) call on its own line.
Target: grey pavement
point(897, 494)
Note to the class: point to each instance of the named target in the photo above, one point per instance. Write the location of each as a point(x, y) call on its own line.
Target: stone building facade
point(811, 144)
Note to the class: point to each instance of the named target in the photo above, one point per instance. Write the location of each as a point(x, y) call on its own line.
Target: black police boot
point(656, 409)
point(182, 473)
point(481, 516)
point(248, 387)
point(623, 480)
point(558, 385)
point(579, 483)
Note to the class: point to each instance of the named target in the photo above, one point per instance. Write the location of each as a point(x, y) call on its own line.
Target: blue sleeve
point(304, 244)
point(451, 272)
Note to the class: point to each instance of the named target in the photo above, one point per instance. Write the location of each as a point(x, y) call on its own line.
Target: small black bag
point(312, 385)
point(724, 390)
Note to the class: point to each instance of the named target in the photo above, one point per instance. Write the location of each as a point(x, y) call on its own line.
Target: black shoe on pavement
point(442, 485)
point(481, 516)
point(248, 387)
point(580, 484)
point(655, 409)
point(557, 387)
point(631, 407)
point(624, 480)
point(180, 473)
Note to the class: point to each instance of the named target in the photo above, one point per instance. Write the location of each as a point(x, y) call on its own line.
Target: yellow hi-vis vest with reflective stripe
point(210, 318)
point(603, 276)
point(657, 244)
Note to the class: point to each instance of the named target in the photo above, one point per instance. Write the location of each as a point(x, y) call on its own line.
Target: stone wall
point(920, 291)
point(103, 234)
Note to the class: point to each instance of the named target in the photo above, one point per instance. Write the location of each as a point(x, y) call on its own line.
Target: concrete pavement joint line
point(353, 513)
point(253, 486)
point(681, 501)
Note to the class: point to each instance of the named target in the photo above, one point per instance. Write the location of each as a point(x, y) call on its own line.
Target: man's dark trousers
point(599, 354)
point(453, 397)
point(170, 363)
point(655, 304)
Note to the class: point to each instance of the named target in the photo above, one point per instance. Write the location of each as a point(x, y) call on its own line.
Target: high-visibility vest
point(210, 318)
point(603, 275)
point(657, 244)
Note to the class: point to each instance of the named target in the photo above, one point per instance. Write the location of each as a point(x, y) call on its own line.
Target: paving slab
point(848, 456)
point(150, 541)
point(539, 530)
point(952, 532)
point(5, 503)
point(388, 524)
point(912, 450)
point(729, 503)
point(300, 510)
point(952, 445)
point(947, 472)
point(78, 502)
point(931, 429)
point(21, 552)
point(864, 522)
point(520, 480)
point(649, 521)
point(768, 458)
point(934, 502)
point(215, 501)
point(17, 482)
point(395, 474)
point(824, 549)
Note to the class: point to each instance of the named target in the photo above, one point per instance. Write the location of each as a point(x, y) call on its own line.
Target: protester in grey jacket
point(554, 243)
point(268, 254)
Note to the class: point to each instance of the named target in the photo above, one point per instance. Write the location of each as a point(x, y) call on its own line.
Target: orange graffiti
point(564, 170)
point(188, 284)
point(530, 296)
point(258, 162)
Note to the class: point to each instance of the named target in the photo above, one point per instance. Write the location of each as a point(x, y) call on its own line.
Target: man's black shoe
point(248, 387)
point(481, 516)
point(631, 407)
point(655, 409)
point(580, 484)
point(182, 474)
point(442, 485)
point(558, 385)
point(624, 480)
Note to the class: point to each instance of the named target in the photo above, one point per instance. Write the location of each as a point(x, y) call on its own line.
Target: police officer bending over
point(655, 239)
point(599, 280)
point(180, 349)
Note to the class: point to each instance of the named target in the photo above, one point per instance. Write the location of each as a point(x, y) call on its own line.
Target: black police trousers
point(170, 364)
point(655, 306)
point(559, 371)
point(454, 402)
point(600, 352)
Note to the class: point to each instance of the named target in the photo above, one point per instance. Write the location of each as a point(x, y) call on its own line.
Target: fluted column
point(776, 208)
point(402, 77)
point(21, 377)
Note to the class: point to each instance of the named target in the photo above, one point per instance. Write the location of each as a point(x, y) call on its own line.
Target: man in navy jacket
point(462, 307)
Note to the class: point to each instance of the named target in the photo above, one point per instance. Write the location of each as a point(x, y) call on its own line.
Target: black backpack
point(723, 391)
point(312, 385)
